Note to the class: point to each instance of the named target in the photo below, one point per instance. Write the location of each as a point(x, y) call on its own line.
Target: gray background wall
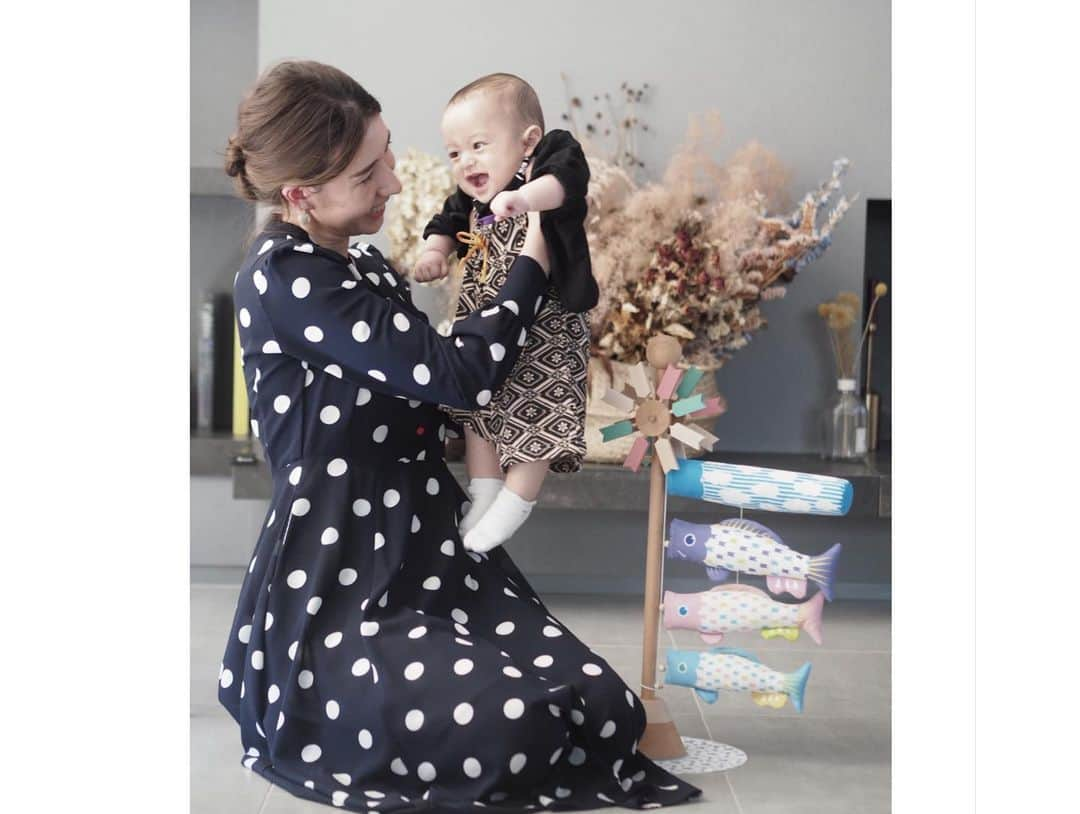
point(810, 81)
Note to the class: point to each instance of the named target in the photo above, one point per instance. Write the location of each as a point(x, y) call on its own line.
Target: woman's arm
point(383, 346)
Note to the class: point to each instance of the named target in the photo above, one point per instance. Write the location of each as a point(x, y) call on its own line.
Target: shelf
point(609, 487)
point(213, 453)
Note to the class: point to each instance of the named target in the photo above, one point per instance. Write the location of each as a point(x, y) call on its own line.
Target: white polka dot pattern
point(357, 575)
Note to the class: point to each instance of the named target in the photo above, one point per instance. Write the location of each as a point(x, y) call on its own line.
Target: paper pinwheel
point(660, 413)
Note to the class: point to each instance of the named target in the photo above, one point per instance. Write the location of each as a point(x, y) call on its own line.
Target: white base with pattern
point(704, 756)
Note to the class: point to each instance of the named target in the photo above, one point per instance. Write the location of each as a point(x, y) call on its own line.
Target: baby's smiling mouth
point(477, 179)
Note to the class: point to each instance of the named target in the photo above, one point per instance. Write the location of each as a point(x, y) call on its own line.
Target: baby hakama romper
point(539, 412)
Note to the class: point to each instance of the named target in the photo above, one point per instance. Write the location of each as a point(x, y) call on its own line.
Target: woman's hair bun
point(235, 167)
point(234, 158)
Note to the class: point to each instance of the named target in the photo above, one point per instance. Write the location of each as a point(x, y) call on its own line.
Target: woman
point(372, 662)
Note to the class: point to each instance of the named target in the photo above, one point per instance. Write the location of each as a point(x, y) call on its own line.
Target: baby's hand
point(430, 266)
point(509, 203)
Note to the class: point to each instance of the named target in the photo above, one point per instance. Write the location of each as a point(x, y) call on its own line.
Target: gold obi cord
point(476, 243)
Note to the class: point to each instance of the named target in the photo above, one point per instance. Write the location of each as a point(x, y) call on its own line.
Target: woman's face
point(354, 203)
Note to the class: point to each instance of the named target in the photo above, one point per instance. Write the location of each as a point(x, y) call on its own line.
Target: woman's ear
point(296, 197)
point(531, 137)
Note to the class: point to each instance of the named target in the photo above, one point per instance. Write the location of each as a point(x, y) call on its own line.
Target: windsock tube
point(755, 487)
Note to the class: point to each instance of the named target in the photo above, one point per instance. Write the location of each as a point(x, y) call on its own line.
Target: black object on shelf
point(878, 269)
point(223, 361)
point(204, 367)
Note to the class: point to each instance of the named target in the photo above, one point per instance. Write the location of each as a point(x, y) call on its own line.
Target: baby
point(507, 167)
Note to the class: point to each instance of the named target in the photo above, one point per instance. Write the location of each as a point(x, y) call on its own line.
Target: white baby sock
point(482, 492)
point(499, 522)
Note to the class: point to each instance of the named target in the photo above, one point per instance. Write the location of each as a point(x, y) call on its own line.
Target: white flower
point(426, 182)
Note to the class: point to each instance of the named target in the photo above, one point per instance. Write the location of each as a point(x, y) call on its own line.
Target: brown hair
point(302, 122)
point(513, 90)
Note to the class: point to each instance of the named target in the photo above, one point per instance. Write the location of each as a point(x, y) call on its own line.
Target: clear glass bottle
point(844, 425)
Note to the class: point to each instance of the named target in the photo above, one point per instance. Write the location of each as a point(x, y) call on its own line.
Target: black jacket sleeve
point(558, 153)
point(454, 218)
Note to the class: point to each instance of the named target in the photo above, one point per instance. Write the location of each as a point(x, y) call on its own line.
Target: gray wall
point(809, 80)
point(224, 47)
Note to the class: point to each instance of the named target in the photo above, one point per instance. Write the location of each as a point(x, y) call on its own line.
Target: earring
point(305, 218)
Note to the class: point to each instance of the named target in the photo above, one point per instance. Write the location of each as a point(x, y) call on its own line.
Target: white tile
point(218, 780)
point(212, 608)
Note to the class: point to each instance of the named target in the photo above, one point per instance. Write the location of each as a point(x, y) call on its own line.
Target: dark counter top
point(607, 487)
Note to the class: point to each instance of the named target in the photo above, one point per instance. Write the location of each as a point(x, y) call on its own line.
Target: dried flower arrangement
point(693, 256)
point(425, 184)
point(841, 319)
point(609, 132)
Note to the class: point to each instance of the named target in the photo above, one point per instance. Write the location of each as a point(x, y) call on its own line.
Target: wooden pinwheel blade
point(616, 430)
point(666, 454)
point(688, 406)
point(708, 440)
point(637, 453)
point(688, 435)
point(618, 400)
point(689, 381)
point(668, 382)
point(640, 380)
point(713, 407)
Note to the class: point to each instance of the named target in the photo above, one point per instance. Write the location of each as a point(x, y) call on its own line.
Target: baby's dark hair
point(518, 95)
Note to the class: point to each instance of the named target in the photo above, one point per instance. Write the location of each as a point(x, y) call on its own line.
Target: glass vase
point(844, 425)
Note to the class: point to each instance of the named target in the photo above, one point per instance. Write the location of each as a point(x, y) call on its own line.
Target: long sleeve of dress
point(322, 313)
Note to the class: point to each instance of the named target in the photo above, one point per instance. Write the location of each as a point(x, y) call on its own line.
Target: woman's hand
point(431, 266)
point(535, 245)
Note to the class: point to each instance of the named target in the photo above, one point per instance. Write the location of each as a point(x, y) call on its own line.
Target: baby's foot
point(482, 492)
point(507, 514)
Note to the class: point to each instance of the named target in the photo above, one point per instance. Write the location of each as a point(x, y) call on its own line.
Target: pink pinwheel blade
point(637, 453)
point(669, 382)
point(713, 407)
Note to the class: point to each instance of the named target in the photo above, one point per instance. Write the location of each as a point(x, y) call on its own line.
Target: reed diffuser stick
point(879, 291)
point(869, 354)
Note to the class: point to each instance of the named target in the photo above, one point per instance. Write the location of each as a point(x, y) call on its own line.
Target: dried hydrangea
point(704, 278)
point(425, 185)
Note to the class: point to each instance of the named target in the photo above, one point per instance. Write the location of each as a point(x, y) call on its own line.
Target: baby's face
point(483, 145)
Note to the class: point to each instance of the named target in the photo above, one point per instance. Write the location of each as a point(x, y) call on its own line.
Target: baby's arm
point(431, 265)
point(541, 195)
point(440, 237)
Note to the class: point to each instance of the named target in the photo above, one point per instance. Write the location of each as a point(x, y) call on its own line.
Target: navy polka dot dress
point(373, 664)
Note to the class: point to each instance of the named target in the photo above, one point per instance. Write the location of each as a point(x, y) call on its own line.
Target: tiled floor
point(832, 758)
